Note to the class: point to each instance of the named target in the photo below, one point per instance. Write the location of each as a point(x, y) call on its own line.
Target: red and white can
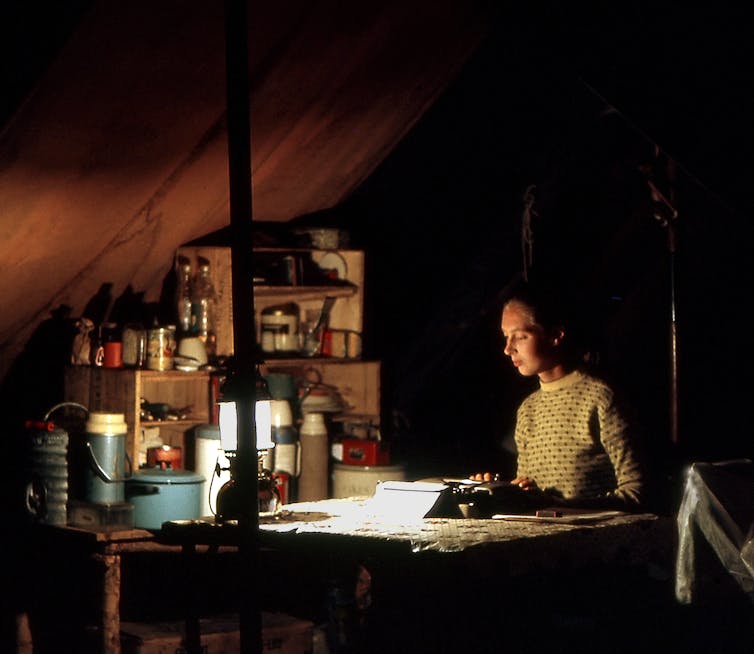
point(283, 483)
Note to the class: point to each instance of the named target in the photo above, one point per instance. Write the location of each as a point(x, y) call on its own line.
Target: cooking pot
point(160, 495)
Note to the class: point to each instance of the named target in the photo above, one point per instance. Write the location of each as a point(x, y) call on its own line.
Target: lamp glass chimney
point(228, 419)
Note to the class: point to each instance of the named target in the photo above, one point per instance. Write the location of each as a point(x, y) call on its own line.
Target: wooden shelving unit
point(303, 293)
point(121, 391)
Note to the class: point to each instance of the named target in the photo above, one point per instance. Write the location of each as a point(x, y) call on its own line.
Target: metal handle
point(298, 459)
point(104, 476)
point(61, 405)
point(142, 489)
point(36, 498)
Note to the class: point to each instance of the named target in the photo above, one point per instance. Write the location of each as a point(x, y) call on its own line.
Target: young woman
point(576, 444)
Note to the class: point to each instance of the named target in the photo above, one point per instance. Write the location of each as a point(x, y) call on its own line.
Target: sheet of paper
point(404, 500)
point(566, 518)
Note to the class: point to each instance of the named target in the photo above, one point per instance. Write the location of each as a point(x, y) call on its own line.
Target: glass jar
point(134, 345)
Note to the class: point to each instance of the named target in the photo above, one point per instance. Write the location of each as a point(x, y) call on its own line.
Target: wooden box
point(281, 634)
point(347, 312)
point(357, 382)
point(121, 391)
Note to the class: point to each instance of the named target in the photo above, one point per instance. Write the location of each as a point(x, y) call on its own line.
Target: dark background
point(587, 109)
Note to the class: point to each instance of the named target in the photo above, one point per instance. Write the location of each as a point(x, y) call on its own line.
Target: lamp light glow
point(228, 421)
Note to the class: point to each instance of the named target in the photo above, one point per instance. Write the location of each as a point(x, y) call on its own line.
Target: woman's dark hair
point(545, 304)
point(554, 306)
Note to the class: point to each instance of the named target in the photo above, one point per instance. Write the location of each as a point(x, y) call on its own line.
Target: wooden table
point(106, 549)
point(311, 543)
point(430, 576)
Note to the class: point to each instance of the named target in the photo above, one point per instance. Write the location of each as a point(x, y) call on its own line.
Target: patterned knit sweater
point(574, 439)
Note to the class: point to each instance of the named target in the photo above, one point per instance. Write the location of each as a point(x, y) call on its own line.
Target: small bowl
point(191, 351)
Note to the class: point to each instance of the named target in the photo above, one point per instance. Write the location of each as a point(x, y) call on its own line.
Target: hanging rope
point(527, 234)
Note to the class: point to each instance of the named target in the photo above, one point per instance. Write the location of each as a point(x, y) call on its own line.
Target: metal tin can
point(161, 348)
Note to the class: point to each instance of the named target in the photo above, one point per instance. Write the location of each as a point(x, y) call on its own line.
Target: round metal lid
point(166, 476)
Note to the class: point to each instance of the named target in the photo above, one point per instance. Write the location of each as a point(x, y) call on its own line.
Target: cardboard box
point(281, 634)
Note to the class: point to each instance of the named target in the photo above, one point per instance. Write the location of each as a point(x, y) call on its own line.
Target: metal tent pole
point(244, 337)
point(667, 215)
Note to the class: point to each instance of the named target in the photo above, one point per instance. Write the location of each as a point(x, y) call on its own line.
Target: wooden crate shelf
point(121, 391)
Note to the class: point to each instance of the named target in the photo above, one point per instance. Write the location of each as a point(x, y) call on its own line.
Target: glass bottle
point(203, 301)
point(183, 295)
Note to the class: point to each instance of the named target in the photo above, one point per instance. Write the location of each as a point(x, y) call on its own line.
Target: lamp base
point(230, 500)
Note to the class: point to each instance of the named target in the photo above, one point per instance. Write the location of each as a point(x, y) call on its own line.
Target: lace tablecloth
point(623, 536)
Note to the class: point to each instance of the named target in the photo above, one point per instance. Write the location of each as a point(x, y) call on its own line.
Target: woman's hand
point(527, 483)
point(485, 476)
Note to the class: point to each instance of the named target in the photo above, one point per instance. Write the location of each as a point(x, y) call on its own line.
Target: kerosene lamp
point(230, 501)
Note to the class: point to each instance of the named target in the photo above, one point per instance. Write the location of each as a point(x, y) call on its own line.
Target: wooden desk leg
point(193, 632)
point(24, 642)
point(110, 603)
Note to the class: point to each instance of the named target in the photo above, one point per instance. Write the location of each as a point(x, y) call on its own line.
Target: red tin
point(364, 452)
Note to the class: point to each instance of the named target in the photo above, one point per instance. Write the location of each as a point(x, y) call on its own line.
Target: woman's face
point(532, 350)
